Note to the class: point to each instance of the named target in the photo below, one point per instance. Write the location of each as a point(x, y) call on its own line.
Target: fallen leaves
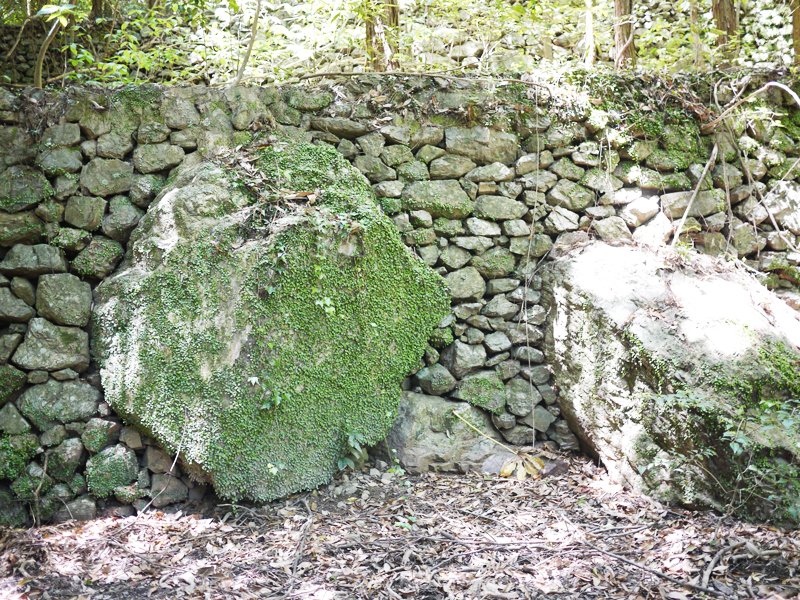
point(522, 466)
point(428, 537)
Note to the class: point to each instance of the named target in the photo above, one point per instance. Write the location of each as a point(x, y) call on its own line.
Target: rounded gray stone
point(49, 347)
point(54, 402)
point(499, 208)
point(64, 299)
point(435, 380)
point(106, 177)
point(466, 284)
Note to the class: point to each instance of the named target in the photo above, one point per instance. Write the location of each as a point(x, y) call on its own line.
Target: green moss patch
point(264, 338)
point(15, 452)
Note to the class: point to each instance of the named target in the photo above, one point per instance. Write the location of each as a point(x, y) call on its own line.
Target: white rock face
point(628, 329)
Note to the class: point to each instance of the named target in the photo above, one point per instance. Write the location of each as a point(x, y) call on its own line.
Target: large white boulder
point(679, 378)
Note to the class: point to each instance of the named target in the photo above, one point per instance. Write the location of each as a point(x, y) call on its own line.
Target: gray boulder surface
point(426, 436)
point(653, 361)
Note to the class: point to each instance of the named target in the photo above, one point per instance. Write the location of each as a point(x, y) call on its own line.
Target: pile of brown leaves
point(376, 535)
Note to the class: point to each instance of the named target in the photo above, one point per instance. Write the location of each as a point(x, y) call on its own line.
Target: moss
point(77, 484)
point(745, 422)
point(12, 511)
point(448, 227)
point(778, 373)
point(441, 338)
point(640, 363)
point(673, 157)
point(22, 186)
point(240, 138)
point(420, 237)
point(337, 311)
point(486, 392)
point(128, 493)
point(782, 269)
point(11, 380)
point(25, 487)
point(391, 206)
point(15, 452)
point(445, 121)
point(497, 262)
point(114, 467)
point(96, 435)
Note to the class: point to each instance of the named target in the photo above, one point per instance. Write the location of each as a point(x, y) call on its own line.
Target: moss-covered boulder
point(685, 382)
point(256, 336)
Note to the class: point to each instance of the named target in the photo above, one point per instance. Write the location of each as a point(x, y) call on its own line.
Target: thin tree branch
point(716, 559)
point(709, 126)
point(694, 195)
point(654, 572)
point(37, 73)
point(619, 59)
point(253, 33)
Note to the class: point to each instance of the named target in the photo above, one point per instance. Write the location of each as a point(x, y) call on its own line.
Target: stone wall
point(482, 204)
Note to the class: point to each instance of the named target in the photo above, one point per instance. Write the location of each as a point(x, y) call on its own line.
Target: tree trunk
point(253, 33)
point(726, 19)
point(796, 30)
point(589, 36)
point(382, 20)
point(623, 34)
point(37, 70)
point(370, 19)
point(392, 16)
point(694, 17)
point(97, 9)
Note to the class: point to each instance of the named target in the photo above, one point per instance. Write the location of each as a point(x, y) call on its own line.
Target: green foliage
point(640, 363)
point(337, 372)
point(485, 392)
point(353, 446)
point(109, 470)
point(396, 469)
point(730, 446)
point(15, 452)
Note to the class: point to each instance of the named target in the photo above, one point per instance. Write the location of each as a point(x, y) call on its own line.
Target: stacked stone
point(764, 31)
point(482, 206)
point(21, 66)
point(68, 204)
point(462, 208)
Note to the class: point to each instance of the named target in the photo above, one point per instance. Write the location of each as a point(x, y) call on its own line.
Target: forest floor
point(574, 534)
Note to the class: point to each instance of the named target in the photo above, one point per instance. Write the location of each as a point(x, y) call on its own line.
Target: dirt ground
point(373, 534)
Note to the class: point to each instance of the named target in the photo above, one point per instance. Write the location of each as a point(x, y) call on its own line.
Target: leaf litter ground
point(370, 534)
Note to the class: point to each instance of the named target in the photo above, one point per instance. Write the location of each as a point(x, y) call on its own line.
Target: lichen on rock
point(255, 346)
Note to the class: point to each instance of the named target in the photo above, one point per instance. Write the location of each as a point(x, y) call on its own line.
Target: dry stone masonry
point(484, 205)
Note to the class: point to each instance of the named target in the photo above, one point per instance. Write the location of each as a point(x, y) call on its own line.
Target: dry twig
point(716, 559)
